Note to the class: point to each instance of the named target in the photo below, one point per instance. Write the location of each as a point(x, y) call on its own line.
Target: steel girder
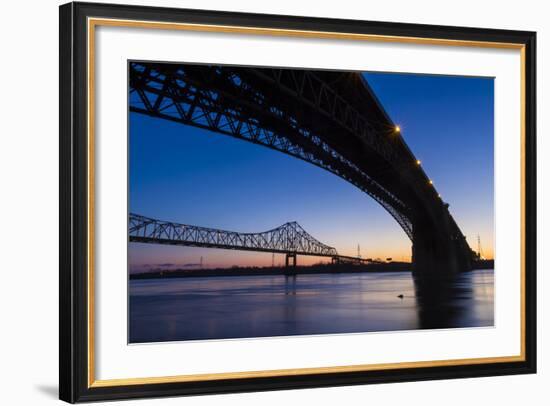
point(290, 238)
point(224, 100)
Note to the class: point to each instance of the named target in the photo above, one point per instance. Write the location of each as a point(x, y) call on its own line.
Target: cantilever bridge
point(290, 239)
point(330, 119)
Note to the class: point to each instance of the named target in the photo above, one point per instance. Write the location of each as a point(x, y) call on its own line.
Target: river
point(197, 308)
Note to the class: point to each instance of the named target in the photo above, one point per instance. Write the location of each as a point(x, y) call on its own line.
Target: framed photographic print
point(254, 202)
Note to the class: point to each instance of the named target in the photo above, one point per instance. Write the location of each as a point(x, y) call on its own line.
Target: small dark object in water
point(400, 296)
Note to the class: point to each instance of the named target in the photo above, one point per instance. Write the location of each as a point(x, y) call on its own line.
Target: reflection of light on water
point(482, 282)
point(257, 306)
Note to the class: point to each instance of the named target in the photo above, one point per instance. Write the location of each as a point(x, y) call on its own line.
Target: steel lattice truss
point(224, 100)
point(289, 238)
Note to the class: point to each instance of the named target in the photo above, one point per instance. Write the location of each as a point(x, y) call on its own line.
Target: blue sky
point(184, 174)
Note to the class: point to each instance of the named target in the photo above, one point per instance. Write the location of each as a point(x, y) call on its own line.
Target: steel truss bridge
point(330, 119)
point(290, 239)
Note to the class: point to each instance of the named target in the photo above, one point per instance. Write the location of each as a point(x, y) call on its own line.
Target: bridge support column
point(290, 260)
point(439, 255)
point(439, 250)
point(290, 264)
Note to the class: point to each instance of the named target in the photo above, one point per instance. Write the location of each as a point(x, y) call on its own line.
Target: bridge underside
point(330, 119)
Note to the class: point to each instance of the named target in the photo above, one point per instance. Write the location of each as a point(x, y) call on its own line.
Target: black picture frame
point(74, 385)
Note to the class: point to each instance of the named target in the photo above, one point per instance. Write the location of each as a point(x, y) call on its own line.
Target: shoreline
point(277, 270)
point(289, 271)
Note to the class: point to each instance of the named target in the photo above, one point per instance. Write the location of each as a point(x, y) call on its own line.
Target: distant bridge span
point(290, 239)
point(328, 118)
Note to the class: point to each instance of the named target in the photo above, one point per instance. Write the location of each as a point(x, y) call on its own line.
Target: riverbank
point(277, 270)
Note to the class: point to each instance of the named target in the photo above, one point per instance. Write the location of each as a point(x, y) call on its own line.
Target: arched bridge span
point(328, 118)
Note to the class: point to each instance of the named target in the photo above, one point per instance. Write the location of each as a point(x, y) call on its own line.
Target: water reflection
point(260, 306)
point(290, 284)
point(466, 302)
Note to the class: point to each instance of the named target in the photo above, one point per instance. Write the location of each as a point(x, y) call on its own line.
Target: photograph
point(277, 201)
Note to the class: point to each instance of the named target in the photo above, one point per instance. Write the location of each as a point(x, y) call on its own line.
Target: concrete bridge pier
point(438, 258)
point(439, 250)
point(290, 260)
point(290, 264)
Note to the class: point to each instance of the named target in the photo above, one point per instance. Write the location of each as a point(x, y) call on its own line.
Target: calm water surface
point(261, 306)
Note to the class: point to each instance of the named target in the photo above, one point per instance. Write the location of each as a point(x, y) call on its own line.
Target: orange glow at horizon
point(174, 257)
